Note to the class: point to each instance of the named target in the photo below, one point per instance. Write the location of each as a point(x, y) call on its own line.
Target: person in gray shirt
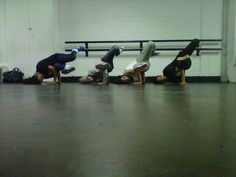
point(99, 74)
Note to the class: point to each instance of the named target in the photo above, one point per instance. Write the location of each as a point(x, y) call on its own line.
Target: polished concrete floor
point(118, 131)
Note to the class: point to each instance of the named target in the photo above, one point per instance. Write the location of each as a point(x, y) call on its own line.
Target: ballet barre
point(141, 42)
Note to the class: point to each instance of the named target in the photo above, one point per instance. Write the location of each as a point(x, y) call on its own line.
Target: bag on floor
point(13, 76)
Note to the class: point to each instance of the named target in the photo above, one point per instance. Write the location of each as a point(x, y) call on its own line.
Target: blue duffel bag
point(13, 76)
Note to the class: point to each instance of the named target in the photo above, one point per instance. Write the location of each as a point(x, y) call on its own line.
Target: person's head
point(124, 79)
point(160, 79)
point(39, 76)
point(184, 64)
point(86, 79)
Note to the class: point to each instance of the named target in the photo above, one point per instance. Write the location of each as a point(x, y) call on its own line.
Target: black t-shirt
point(42, 66)
point(171, 70)
point(171, 73)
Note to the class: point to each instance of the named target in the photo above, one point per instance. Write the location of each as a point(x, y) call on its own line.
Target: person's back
point(42, 65)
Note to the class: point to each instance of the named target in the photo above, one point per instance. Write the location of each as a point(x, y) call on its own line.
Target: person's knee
point(59, 66)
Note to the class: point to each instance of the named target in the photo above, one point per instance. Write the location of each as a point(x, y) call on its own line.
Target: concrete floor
point(118, 131)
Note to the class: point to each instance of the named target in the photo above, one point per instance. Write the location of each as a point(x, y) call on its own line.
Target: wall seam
point(224, 63)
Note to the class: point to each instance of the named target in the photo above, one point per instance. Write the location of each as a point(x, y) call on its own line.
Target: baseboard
point(204, 79)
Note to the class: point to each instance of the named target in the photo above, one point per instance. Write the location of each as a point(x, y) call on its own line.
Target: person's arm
point(59, 77)
point(143, 77)
point(54, 72)
point(105, 78)
point(140, 78)
point(182, 75)
point(183, 58)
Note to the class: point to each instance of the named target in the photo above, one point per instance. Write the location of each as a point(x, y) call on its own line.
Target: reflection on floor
point(118, 131)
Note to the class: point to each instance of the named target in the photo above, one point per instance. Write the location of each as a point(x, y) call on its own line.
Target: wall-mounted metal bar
point(140, 49)
point(140, 42)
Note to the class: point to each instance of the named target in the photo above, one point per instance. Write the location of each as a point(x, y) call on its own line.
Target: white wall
point(130, 20)
point(3, 55)
point(17, 34)
point(29, 32)
point(211, 27)
point(36, 29)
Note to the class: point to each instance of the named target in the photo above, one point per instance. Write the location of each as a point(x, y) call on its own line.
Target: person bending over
point(135, 71)
point(175, 71)
point(100, 73)
point(52, 66)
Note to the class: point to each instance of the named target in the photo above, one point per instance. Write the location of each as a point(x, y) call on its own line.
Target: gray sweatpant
point(143, 57)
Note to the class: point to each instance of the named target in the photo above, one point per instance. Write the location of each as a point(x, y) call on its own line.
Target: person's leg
point(114, 51)
point(62, 59)
point(65, 58)
point(67, 69)
point(104, 66)
point(191, 47)
point(147, 52)
point(141, 67)
point(64, 68)
point(108, 58)
point(60, 66)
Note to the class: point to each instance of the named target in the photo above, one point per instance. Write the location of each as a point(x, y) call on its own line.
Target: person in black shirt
point(175, 71)
point(52, 66)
